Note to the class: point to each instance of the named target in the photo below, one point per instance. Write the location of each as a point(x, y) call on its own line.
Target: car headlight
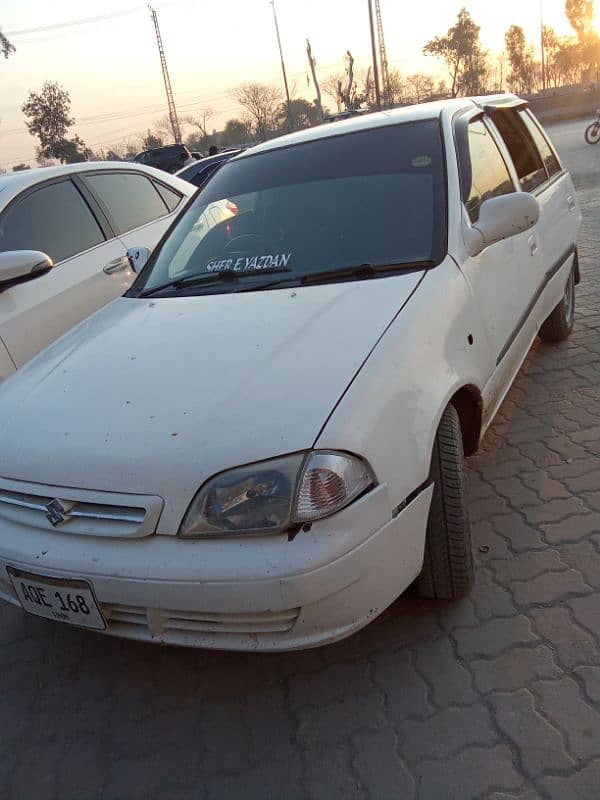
point(272, 496)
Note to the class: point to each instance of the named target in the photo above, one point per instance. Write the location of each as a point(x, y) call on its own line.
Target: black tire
point(592, 133)
point(559, 324)
point(448, 563)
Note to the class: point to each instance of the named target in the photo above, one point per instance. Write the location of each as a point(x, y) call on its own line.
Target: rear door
point(139, 208)
point(56, 219)
point(539, 171)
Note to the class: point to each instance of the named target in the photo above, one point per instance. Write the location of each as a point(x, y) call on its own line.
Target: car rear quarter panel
point(390, 412)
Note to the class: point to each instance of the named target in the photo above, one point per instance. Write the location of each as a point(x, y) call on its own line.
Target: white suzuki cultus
point(260, 446)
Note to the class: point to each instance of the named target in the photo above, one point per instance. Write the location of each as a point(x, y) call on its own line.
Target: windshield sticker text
point(252, 264)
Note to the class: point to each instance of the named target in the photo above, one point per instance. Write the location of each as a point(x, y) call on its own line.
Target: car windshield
point(372, 197)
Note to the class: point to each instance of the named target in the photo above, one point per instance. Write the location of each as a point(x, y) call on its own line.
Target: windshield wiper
point(360, 272)
point(206, 278)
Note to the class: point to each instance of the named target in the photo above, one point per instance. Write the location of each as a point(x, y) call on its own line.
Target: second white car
point(83, 217)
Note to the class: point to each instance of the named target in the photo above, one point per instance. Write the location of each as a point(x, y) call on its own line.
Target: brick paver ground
point(495, 697)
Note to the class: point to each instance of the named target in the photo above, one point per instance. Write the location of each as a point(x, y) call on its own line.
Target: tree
point(6, 47)
point(20, 167)
point(112, 155)
point(396, 88)
point(332, 86)
point(421, 86)
point(262, 102)
point(522, 63)
point(304, 115)
point(152, 140)
point(461, 49)
point(236, 132)
point(49, 119)
point(72, 151)
point(580, 14)
point(202, 138)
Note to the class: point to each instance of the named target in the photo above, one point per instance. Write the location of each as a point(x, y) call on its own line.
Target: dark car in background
point(170, 158)
point(200, 171)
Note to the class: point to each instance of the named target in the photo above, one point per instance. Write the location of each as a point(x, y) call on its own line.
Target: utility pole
point(163, 64)
point(542, 46)
point(285, 83)
point(385, 75)
point(374, 53)
point(313, 64)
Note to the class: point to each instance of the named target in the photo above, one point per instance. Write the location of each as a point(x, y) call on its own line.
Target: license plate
point(70, 601)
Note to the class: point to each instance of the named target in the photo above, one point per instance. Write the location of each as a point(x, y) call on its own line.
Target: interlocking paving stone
point(540, 745)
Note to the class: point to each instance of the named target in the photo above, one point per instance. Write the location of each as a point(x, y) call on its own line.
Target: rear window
point(131, 200)
point(375, 196)
point(170, 196)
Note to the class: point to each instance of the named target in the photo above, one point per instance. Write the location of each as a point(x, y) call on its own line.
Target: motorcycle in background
point(592, 132)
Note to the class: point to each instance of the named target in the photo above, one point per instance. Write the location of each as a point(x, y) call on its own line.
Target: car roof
point(365, 121)
point(14, 183)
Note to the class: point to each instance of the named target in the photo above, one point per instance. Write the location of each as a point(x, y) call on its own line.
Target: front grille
point(159, 622)
point(78, 511)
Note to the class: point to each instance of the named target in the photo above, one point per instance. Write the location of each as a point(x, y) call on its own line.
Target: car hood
point(155, 396)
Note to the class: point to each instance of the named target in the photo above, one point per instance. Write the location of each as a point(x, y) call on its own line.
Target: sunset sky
point(111, 67)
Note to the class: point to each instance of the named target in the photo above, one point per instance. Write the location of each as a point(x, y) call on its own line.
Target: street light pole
point(374, 51)
point(285, 83)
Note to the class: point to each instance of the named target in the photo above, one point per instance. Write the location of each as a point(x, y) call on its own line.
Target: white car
point(83, 217)
point(261, 445)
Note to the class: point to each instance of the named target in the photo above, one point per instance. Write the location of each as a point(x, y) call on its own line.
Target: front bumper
point(258, 594)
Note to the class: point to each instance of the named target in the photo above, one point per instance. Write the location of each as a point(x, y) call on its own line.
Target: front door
point(504, 277)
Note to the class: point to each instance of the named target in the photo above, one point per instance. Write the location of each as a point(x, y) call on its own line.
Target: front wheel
point(559, 324)
point(592, 133)
point(448, 562)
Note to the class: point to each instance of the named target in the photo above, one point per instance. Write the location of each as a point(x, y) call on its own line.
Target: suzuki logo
point(57, 513)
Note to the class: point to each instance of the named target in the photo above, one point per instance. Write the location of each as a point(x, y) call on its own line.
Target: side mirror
point(18, 266)
point(138, 256)
point(500, 218)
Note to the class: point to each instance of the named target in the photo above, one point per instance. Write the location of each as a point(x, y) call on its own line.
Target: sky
point(111, 66)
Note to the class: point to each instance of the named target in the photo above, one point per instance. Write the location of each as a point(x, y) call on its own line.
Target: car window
point(375, 196)
point(523, 151)
point(170, 196)
point(130, 199)
point(488, 174)
point(549, 158)
point(54, 219)
point(200, 178)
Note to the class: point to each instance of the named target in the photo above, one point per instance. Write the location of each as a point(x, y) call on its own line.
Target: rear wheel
point(448, 563)
point(559, 324)
point(592, 133)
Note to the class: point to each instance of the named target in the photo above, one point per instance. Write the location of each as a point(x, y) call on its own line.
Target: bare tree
point(262, 102)
point(163, 128)
point(421, 86)
point(200, 121)
point(332, 86)
point(396, 88)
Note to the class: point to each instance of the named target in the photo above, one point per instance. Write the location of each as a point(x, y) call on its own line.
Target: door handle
point(117, 265)
point(532, 245)
point(571, 202)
